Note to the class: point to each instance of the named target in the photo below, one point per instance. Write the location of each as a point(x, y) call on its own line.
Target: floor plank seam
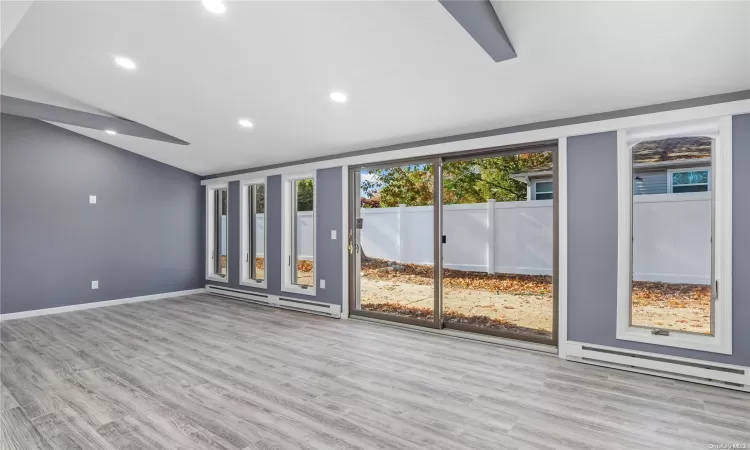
point(191, 372)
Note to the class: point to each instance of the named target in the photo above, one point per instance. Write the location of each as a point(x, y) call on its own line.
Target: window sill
point(292, 289)
point(703, 343)
point(217, 279)
point(254, 284)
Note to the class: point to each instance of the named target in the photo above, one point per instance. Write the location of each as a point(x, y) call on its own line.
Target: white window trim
point(286, 220)
point(541, 180)
point(210, 274)
point(687, 169)
point(245, 237)
point(721, 341)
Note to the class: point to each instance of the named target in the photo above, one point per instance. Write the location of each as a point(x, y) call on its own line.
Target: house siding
point(651, 182)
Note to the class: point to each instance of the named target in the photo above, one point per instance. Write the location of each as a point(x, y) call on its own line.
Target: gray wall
point(592, 244)
point(328, 216)
point(143, 236)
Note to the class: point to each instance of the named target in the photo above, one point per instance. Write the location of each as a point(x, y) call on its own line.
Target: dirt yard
point(305, 274)
point(530, 314)
point(519, 303)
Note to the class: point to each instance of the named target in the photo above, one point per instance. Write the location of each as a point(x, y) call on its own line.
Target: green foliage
point(410, 185)
point(260, 199)
point(305, 195)
point(473, 181)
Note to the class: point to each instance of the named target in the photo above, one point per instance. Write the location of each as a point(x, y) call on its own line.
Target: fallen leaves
point(304, 266)
point(655, 304)
point(482, 321)
point(645, 293)
point(375, 268)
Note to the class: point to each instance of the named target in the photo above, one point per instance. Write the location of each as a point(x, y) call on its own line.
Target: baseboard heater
point(308, 306)
point(697, 371)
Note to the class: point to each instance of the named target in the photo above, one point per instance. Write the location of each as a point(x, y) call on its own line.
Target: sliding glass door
point(392, 242)
point(461, 242)
point(499, 251)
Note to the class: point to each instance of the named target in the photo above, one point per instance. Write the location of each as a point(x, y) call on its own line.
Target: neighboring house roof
point(671, 152)
point(672, 149)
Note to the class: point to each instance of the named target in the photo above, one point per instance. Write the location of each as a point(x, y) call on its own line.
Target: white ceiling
point(410, 70)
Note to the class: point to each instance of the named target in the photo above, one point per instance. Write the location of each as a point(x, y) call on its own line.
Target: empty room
point(417, 224)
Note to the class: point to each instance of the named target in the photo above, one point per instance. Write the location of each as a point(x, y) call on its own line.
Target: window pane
point(397, 276)
point(259, 236)
point(672, 264)
point(220, 227)
point(544, 187)
point(257, 232)
point(698, 177)
point(513, 291)
point(694, 188)
point(303, 233)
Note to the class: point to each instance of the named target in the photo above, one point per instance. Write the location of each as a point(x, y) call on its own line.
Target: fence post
point(490, 236)
point(399, 232)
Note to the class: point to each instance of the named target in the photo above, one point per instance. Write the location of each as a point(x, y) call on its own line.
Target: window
point(692, 180)
point(253, 263)
point(299, 234)
point(674, 251)
point(217, 199)
point(543, 190)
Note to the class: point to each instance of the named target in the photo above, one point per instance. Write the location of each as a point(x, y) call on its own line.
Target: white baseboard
point(286, 302)
point(119, 301)
point(685, 369)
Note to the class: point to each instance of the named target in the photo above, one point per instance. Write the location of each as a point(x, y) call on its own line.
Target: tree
point(305, 194)
point(410, 185)
point(472, 181)
point(260, 199)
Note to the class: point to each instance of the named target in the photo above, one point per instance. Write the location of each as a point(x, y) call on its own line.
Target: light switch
point(333, 235)
point(92, 199)
point(95, 284)
point(322, 284)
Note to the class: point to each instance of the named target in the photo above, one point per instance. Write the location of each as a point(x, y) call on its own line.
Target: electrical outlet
point(333, 235)
point(92, 199)
point(95, 284)
point(322, 284)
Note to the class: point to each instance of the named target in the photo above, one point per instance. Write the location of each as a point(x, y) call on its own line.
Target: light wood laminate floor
point(201, 372)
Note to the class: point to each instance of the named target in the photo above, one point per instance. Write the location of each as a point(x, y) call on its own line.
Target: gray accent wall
point(592, 247)
point(328, 216)
point(142, 237)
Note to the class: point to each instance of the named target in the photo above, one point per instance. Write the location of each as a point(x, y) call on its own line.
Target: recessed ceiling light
point(245, 123)
point(125, 63)
point(215, 6)
point(112, 132)
point(338, 97)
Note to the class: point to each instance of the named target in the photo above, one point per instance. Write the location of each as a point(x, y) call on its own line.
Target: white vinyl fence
point(671, 236)
point(304, 235)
